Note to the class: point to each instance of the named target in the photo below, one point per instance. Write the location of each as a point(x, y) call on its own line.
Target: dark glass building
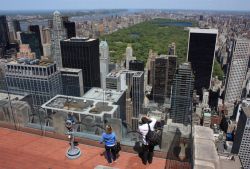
point(213, 98)
point(31, 39)
point(69, 26)
point(36, 30)
point(201, 55)
point(4, 36)
point(72, 83)
point(70, 29)
point(163, 74)
point(136, 65)
point(182, 94)
point(16, 25)
point(83, 54)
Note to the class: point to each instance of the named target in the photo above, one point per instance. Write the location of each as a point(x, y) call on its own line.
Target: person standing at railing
point(109, 138)
point(147, 149)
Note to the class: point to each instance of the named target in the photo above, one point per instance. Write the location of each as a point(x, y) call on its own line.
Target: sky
point(125, 4)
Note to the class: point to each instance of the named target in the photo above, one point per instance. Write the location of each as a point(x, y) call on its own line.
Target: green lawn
point(146, 36)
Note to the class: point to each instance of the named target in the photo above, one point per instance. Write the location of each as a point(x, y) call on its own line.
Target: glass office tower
point(201, 53)
point(82, 53)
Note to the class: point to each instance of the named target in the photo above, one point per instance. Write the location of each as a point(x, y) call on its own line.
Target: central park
point(155, 34)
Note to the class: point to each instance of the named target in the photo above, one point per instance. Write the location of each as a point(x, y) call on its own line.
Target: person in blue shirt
point(109, 138)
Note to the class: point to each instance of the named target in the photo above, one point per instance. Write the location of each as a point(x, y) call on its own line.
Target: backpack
point(152, 137)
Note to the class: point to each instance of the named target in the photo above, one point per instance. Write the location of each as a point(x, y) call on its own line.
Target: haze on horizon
point(236, 5)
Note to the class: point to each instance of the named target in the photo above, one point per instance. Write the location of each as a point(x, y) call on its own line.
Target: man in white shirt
point(147, 150)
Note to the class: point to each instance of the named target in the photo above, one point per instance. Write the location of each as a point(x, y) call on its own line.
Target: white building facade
point(57, 34)
point(104, 62)
point(237, 70)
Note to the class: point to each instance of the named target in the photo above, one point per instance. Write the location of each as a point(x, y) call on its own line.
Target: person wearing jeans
point(147, 150)
point(109, 138)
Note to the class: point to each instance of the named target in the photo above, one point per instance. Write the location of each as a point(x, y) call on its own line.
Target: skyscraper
point(46, 36)
point(242, 141)
point(133, 83)
point(116, 80)
point(182, 94)
point(16, 25)
point(3, 87)
point(104, 62)
point(163, 74)
point(171, 49)
point(47, 50)
point(57, 34)
point(36, 30)
point(46, 42)
point(72, 83)
point(33, 41)
point(238, 66)
point(70, 29)
point(83, 54)
point(135, 95)
point(201, 53)
point(137, 92)
point(129, 55)
point(4, 36)
point(136, 65)
point(40, 79)
point(16, 28)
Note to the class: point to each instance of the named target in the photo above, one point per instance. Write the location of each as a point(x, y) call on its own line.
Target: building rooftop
point(117, 73)
point(57, 13)
point(31, 62)
point(205, 153)
point(227, 163)
point(185, 65)
point(203, 133)
point(207, 31)
point(114, 74)
point(5, 96)
point(166, 56)
point(106, 95)
point(138, 73)
point(79, 39)
point(136, 61)
point(31, 151)
point(103, 44)
point(80, 105)
point(70, 70)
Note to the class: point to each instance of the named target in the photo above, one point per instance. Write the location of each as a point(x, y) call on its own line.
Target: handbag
point(138, 147)
point(117, 147)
